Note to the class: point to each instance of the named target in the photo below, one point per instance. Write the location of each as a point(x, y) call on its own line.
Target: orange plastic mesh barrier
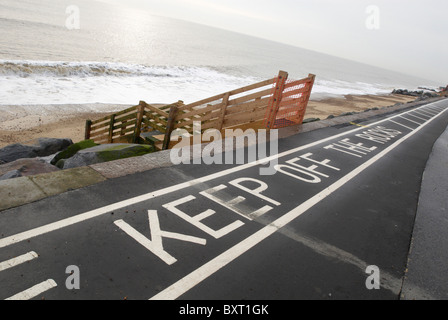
point(288, 102)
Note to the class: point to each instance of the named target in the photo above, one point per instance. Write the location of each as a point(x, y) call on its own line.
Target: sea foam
point(56, 82)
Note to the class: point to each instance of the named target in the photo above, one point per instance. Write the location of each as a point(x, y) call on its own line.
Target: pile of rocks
point(48, 155)
point(420, 94)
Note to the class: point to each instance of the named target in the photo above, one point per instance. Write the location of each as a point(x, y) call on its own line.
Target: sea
point(82, 52)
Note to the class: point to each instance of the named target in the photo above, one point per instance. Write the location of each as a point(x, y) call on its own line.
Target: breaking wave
point(86, 69)
point(55, 82)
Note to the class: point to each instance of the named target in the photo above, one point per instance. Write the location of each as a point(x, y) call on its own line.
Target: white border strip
point(18, 260)
point(34, 291)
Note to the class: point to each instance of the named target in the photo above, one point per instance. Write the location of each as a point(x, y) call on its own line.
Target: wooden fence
point(267, 104)
point(127, 126)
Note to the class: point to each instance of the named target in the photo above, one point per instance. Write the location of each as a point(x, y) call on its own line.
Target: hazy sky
point(409, 36)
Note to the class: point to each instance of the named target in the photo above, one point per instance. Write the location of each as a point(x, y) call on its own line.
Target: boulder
point(420, 93)
point(72, 150)
point(49, 146)
point(16, 151)
point(25, 167)
point(11, 175)
point(104, 153)
point(40, 148)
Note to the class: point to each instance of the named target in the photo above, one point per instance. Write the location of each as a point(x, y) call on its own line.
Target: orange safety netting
point(288, 102)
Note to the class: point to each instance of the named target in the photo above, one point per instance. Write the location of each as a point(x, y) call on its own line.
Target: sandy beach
point(19, 124)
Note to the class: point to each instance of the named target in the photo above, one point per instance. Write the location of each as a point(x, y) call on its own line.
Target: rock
point(40, 148)
point(60, 164)
point(72, 150)
point(310, 120)
point(49, 146)
point(330, 116)
point(419, 94)
point(104, 153)
point(11, 175)
point(347, 114)
point(430, 94)
point(27, 167)
point(16, 151)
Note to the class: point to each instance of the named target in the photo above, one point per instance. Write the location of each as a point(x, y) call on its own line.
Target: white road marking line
point(34, 291)
point(122, 204)
point(411, 120)
point(155, 245)
point(400, 124)
point(413, 115)
point(11, 263)
point(424, 114)
point(434, 106)
point(197, 276)
point(232, 205)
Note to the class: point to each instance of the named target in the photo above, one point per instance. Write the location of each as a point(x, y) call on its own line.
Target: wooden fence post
point(88, 129)
point(111, 128)
point(123, 128)
point(225, 103)
point(139, 120)
point(308, 95)
point(170, 125)
point(276, 99)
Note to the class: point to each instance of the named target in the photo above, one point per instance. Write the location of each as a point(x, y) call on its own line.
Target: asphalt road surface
point(334, 222)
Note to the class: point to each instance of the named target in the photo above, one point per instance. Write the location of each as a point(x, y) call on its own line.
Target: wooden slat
point(100, 132)
point(238, 119)
point(100, 120)
point(157, 127)
point(211, 124)
point(212, 108)
point(102, 125)
point(123, 125)
point(132, 116)
point(210, 115)
point(117, 114)
point(100, 137)
point(253, 86)
point(119, 133)
point(156, 110)
point(106, 124)
point(201, 102)
point(251, 96)
point(232, 93)
point(155, 117)
point(249, 106)
point(126, 113)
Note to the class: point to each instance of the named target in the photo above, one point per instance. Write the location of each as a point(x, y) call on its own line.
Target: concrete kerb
point(425, 277)
point(24, 190)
